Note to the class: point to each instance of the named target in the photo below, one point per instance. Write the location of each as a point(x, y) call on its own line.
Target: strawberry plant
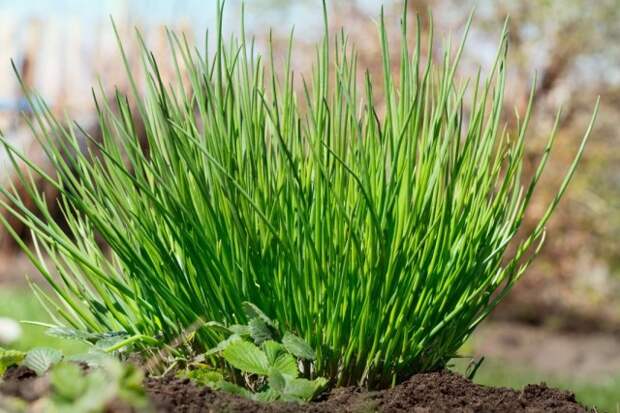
point(268, 363)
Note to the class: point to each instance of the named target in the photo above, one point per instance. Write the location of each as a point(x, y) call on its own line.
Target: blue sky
point(197, 12)
point(156, 9)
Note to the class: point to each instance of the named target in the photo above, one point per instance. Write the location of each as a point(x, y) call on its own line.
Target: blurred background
point(561, 324)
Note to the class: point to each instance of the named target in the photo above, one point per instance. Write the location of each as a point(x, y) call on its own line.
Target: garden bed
point(433, 392)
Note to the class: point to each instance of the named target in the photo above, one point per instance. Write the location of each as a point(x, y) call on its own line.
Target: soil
point(423, 393)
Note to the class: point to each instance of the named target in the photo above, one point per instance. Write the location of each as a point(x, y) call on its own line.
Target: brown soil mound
point(432, 392)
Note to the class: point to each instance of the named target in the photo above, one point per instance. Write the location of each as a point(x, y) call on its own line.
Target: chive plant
point(379, 235)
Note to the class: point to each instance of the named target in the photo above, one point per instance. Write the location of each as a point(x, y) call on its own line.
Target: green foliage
point(40, 359)
point(90, 338)
point(269, 369)
point(379, 233)
point(202, 376)
point(246, 357)
point(116, 342)
point(73, 390)
point(302, 389)
point(9, 358)
point(298, 347)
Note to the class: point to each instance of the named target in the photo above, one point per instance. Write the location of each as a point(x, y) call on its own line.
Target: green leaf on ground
point(260, 331)
point(92, 358)
point(203, 376)
point(67, 380)
point(276, 380)
point(241, 330)
point(272, 349)
point(9, 358)
point(222, 345)
point(234, 389)
point(298, 347)
point(40, 359)
point(106, 342)
point(130, 388)
point(70, 334)
point(252, 311)
point(303, 389)
point(286, 365)
point(246, 357)
point(268, 395)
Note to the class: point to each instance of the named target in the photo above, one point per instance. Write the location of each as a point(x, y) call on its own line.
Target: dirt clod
point(23, 383)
